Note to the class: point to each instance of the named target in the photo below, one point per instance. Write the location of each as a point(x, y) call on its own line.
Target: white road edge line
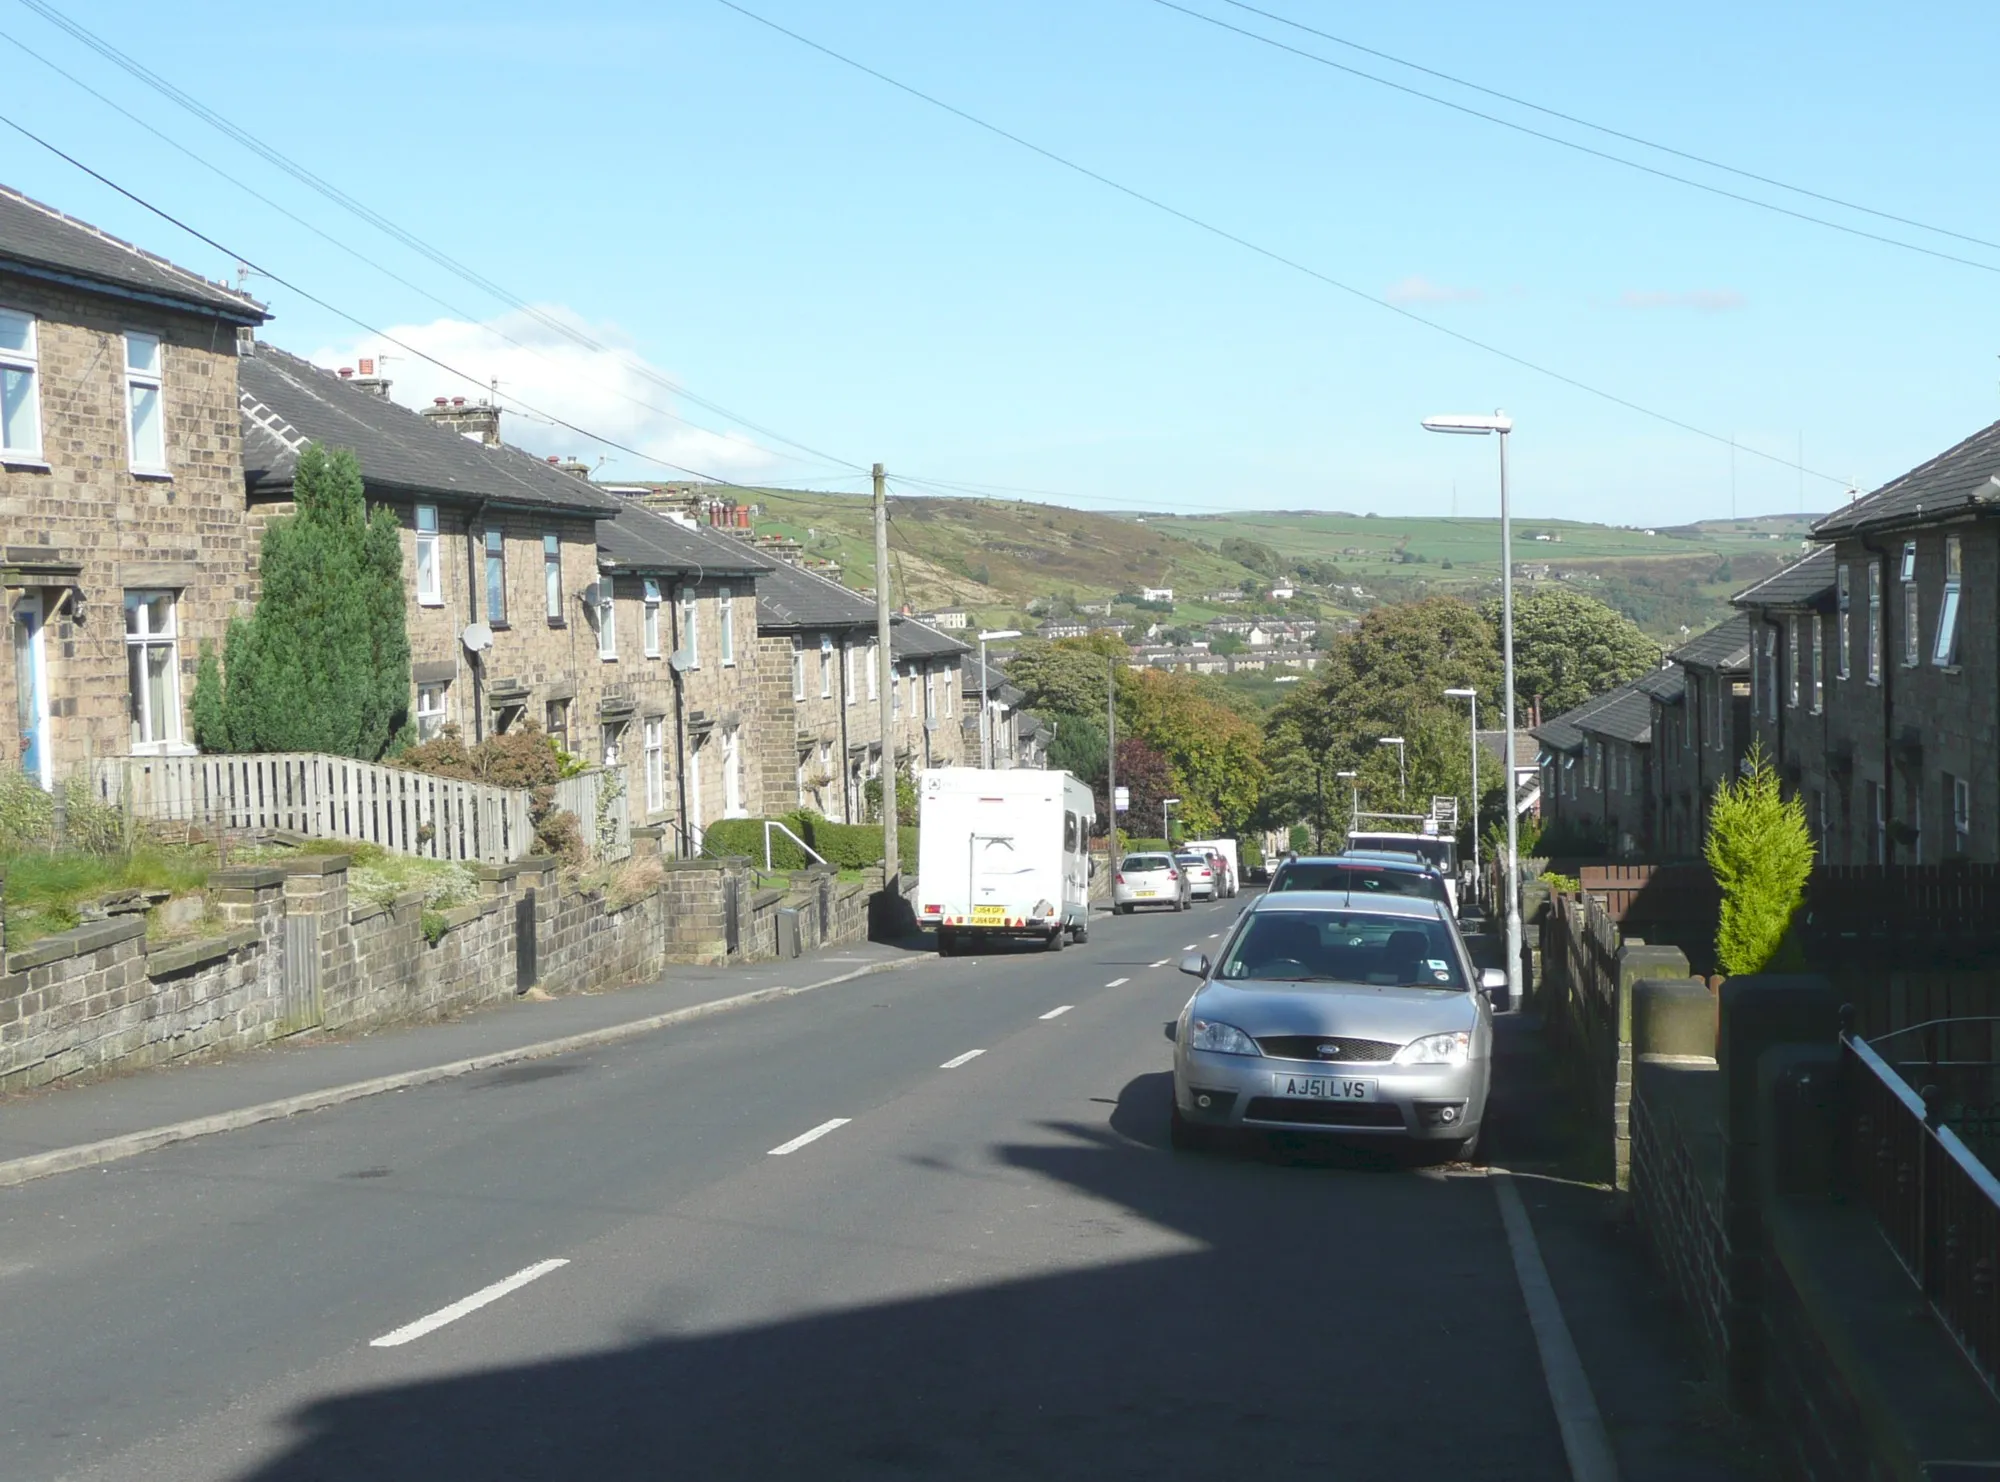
point(958, 1060)
point(1584, 1440)
point(1057, 1013)
point(1117, 982)
point(466, 1305)
point(1162, 962)
point(805, 1137)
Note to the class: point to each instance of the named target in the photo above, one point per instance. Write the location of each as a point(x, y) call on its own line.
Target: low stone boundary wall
point(297, 955)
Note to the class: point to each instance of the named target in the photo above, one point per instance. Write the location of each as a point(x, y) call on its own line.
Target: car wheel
point(1125, 910)
point(947, 943)
point(1082, 933)
point(1056, 939)
point(1465, 1150)
point(1184, 1137)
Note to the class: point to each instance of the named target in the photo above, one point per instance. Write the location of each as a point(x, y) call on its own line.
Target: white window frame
point(874, 670)
point(930, 696)
point(649, 625)
point(1843, 603)
point(1944, 650)
point(552, 577)
point(950, 685)
point(433, 709)
point(1792, 662)
point(656, 763)
point(607, 620)
point(27, 362)
point(611, 743)
point(826, 666)
point(725, 602)
point(798, 668)
point(560, 734)
point(152, 734)
point(1818, 666)
point(493, 562)
point(1913, 637)
point(430, 568)
point(691, 625)
point(847, 652)
point(137, 379)
point(1961, 814)
point(1875, 622)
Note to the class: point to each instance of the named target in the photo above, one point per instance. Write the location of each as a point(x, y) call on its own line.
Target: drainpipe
point(475, 546)
point(680, 728)
point(846, 767)
point(1888, 709)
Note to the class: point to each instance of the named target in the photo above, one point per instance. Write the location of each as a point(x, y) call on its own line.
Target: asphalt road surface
point(920, 1225)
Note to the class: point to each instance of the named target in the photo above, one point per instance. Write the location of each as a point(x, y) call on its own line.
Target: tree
point(1147, 773)
point(323, 664)
point(1225, 644)
point(1569, 648)
point(1761, 853)
point(1064, 678)
point(1080, 749)
point(1215, 755)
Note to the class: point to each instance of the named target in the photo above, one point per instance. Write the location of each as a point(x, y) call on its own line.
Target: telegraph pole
point(1111, 753)
point(885, 671)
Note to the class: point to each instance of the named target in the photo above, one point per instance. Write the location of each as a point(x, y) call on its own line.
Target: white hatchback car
point(1202, 881)
point(1148, 880)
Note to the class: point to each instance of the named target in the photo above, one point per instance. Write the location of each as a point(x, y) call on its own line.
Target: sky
point(690, 240)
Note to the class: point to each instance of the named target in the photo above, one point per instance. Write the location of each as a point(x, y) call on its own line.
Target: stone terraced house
point(123, 543)
point(821, 655)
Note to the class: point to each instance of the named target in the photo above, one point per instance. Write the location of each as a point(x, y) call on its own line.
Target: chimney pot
point(458, 401)
point(439, 401)
point(554, 459)
point(346, 371)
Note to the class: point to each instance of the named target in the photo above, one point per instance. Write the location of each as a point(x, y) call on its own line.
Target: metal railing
point(1936, 1204)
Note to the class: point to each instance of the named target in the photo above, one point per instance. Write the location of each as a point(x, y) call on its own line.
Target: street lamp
point(1353, 782)
point(1166, 828)
point(985, 698)
point(1473, 696)
point(1502, 424)
point(1402, 776)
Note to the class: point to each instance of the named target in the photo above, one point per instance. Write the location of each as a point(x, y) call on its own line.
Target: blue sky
point(852, 269)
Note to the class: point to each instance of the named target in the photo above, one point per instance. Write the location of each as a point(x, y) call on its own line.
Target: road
point(986, 1263)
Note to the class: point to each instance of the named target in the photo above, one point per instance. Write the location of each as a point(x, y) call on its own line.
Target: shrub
point(1568, 884)
point(1761, 853)
point(522, 758)
point(745, 837)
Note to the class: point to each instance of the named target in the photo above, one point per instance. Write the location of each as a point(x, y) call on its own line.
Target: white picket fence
point(581, 795)
point(328, 797)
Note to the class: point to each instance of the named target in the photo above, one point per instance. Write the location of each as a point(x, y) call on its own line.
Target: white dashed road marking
point(1117, 982)
point(1213, 935)
point(805, 1137)
point(413, 1331)
point(958, 1060)
point(1059, 1012)
point(1162, 962)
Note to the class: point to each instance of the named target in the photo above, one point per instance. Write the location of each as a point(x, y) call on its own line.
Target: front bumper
point(1423, 1102)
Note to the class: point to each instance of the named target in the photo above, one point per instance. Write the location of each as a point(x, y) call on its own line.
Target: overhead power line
point(1610, 132)
point(1267, 253)
point(553, 322)
point(355, 320)
point(1557, 139)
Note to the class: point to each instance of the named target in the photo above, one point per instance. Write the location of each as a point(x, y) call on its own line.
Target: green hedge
point(847, 846)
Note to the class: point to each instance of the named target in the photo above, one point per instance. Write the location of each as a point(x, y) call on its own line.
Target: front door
point(31, 688)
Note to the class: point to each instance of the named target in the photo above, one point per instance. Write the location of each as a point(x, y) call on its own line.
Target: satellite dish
point(477, 637)
point(591, 595)
point(680, 661)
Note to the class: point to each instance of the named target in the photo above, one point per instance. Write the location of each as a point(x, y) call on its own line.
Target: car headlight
point(1225, 1039)
point(1437, 1049)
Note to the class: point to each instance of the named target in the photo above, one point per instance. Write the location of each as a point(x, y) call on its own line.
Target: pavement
point(916, 1223)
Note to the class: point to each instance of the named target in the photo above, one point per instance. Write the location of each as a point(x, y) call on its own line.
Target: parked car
point(1225, 873)
point(1325, 1013)
point(1149, 880)
point(1200, 873)
point(1362, 874)
point(1224, 850)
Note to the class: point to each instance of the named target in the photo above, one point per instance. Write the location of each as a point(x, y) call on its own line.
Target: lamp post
point(1402, 776)
point(1354, 784)
point(1473, 696)
point(1502, 424)
point(985, 697)
point(1167, 828)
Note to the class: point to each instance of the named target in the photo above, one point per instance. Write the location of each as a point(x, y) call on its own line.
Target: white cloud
point(612, 392)
point(1706, 300)
point(1417, 289)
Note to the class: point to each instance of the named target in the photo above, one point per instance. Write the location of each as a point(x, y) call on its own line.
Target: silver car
point(1331, 1012)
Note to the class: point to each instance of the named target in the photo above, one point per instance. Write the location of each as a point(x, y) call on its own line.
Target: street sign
point(1445, 811)
point(1121, 799)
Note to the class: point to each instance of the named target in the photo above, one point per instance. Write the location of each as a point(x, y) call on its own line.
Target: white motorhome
point(1003, 854)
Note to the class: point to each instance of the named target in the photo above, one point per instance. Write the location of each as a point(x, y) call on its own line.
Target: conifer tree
point(1761, 853)
point(323, 664)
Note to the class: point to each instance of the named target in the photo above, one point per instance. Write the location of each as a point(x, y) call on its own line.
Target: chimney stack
point(478, 420)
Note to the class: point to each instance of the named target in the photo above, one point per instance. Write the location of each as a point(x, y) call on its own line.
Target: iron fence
point(1936, 1203)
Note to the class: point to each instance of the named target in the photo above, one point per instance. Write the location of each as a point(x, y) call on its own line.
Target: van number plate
point(989, 915)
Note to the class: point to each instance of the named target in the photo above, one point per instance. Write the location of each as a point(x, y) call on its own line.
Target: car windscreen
point(1361, 880)
point(1344, 947)
point(1139, 864)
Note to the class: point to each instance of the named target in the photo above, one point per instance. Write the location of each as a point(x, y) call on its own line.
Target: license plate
point(1322, 1087)
point(1143, 894)
point(988, 915)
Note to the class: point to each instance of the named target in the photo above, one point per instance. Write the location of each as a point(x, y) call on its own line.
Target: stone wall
point(298, 956)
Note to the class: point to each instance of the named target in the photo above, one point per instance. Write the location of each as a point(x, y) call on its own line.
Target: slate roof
point(910, 639)
point(644, 541)
point(1564, 732)
point(40, 242)
point(996, 684)
point(1958, 479)
point(1725, 647)
point(1802, 584)
point(1668, 685)
point(791, 597)
point(1494, 744)
point(1626, 714)
point(288, 402)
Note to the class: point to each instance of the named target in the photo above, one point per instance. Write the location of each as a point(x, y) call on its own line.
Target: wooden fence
point(603, 811)
point(327, 797)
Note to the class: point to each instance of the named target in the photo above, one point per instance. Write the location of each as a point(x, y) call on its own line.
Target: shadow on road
point(1285, 1319)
